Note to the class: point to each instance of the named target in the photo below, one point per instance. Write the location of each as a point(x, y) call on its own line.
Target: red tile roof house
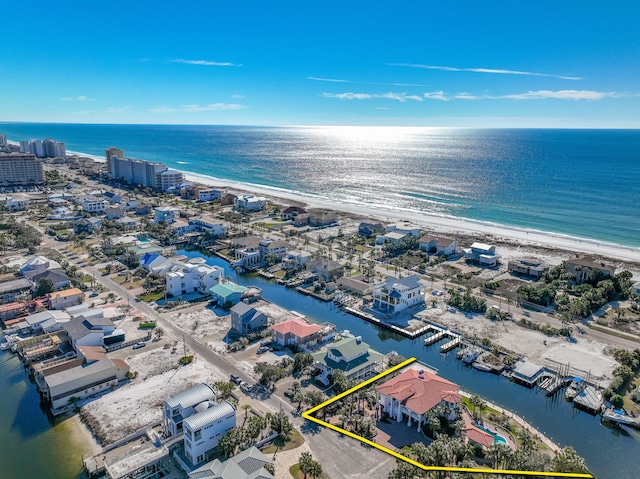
point(295, 332)
point(413, 394)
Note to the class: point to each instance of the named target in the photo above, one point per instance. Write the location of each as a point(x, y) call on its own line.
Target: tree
point(568, 460)
point(159, 332)
point(246, 408)
point(45, 286)
point(309, 466)
point(404, 470)
point(301, 361)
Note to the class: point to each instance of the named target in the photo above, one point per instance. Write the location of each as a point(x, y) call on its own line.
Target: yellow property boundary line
point(308, 415)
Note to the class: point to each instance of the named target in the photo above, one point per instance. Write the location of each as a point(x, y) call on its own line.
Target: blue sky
point(425, 63)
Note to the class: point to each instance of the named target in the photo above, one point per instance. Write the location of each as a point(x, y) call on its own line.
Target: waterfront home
point(181, 406)
point(322, 219)
point(246, 319)
point(481, 253)
point(206, 224)
point(65, 298)
point(295, 259)
point(19, 309)
point(248, 257)
point(292, 211)
point(586, 268)
point(355, 285)
point(273, 247)
point(168, 214)
point(89, 331)
point(154, 262)
point(394, 294)
point(11, 289)
point(527, 267)
point(140, 248)
point(58, 278)
point(182, 227)
point(438, 245)
point(87, 225)
point(227, 294)
point(413, 393)
point(127, 222)
point(228, 199)
point(36, 321)
point(248, 464)
point(295, 332)
point(189, 278)
point(203, 430)
point(210, 194)
point(327, 269)
point(66, 387)
point(250, 203)
point(352, 356)
point(391, 237)
point(36, 265)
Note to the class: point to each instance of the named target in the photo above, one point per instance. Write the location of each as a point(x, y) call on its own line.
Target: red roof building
point(475, 435)
point(295, 332)
point(413, 393)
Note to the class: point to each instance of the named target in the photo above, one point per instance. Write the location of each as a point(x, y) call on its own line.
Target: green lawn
point(151, 297)
point(278, 444)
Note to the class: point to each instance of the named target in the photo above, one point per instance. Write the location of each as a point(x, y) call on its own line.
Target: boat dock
point(589, 399)
point(439, 333)
point(392, 327)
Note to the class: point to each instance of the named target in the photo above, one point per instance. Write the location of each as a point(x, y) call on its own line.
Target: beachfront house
point(413, 393)
point(248, 464)
point(395, 294)
point(352, 356)
point(405, 227)
point(210, 194)
point(227, 294)
point(66, 387)
point(586, 268)
point(370, 229)
point(203, 430)
point(36, 265)
point(527, 267)
point(438, 245)
point(181, 406)
point(250, 203)
point(482, 254)
point(291, 212)
point(273, 247)
point(246, 319)
point(296, 333)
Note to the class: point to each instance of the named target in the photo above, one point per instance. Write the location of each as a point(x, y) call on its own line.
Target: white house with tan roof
point(413, 393)
point(395, 294)
point(64, 299)
point(439, 245)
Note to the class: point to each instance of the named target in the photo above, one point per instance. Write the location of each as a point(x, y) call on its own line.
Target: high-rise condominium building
point(20, 169)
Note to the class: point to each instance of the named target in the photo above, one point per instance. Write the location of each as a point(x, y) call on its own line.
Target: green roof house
point(227, 293)
point(352, 356)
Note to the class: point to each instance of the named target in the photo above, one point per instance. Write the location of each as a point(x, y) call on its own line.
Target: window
point(198, 435)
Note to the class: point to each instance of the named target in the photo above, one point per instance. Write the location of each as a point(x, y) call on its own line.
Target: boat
point(481, 367)
point(620, 416)
point(574, 389)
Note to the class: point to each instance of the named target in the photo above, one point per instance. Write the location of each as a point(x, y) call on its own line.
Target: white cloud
point(401, 97)
point(482, 70)
point(436, 95)
point(75, 98)
point(331, 80)
point(205, 63)
point(238, 97)
point(468, 96)
point(118, 109)
point(213, 107)
point(562, 95)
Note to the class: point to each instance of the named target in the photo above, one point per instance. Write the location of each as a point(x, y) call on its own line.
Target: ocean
point(582, 183)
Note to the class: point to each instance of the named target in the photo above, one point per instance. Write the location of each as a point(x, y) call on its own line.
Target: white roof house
point(482, 253)
point(181, 406)
point(203, 430)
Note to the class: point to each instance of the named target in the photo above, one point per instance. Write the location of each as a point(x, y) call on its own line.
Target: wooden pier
point(392, 327)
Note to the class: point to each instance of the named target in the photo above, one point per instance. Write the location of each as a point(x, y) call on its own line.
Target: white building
point(36, 265)
point(96, 205)
point(169, 179)
point(17, 202)
point(181, 406)
point(168, 214)
point(295, 259)
point(404, 227)
point(250, 203)
point(207, 224)
point(20, 169)
point(210, 195)
point(203, 430)
point(438, 245)
point(190, 278)
point(276, 247)
point(394, 295)
point(481, 253)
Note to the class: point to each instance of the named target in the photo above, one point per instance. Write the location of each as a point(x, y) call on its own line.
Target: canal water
point(609, 452)
point(31, 444)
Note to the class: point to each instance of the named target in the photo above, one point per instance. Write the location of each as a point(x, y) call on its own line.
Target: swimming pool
point(497, 438)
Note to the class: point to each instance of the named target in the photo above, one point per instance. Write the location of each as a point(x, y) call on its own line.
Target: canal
point(609, 452)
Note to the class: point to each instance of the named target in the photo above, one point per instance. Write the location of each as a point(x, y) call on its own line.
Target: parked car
point(139, 345)
point(262, 349)
point(437, 292)
point(236, 379)
point(245, 386)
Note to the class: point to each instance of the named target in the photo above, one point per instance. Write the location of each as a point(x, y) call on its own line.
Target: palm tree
point(309, 466)
point(246, 408)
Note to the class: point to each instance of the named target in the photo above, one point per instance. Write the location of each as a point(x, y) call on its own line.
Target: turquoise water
point(497, 438)
point(582, 183)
